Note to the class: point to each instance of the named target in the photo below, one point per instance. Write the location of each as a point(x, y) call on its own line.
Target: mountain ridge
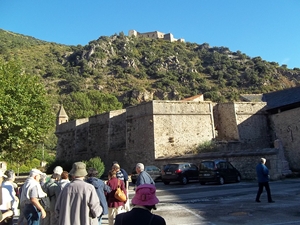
point(138, 69)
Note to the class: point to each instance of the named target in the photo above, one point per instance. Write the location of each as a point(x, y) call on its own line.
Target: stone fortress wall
point(155, 35)
point(159, 132)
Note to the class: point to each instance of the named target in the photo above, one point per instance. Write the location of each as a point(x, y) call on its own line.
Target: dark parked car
point(153, 171)
point(219, 171)
point(182, 172)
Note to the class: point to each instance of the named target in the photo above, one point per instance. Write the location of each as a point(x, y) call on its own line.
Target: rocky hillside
point(139, 69)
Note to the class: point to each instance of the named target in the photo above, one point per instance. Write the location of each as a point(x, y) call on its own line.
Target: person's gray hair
point(263, 160)
point(141, 166)
point(10, 174)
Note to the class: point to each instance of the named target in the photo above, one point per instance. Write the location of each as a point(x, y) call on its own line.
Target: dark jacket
point(125, 175)
point(138, 216)
point(262, 173)
point(101, 189)
point(52, 189)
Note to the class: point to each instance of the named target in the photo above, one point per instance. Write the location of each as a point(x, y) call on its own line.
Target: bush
point(96, 163)
point(207, 146)
point(67, 165)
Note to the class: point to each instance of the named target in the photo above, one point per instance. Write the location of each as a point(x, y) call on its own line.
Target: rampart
point(158, 132)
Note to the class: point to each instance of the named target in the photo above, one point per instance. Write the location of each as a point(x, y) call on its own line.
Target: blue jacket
point(100, 187)
point(144, 178)
point(262, 173)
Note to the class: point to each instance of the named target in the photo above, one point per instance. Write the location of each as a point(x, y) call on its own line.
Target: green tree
point(25, 114)
point(92, 102)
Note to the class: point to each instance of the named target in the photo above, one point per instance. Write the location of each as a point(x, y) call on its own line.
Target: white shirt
point(6, 200)
point(9, 186)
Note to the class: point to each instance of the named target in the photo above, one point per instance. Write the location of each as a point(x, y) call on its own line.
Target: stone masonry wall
point(67, 146)
point(225, 122)
point(286, 126)
point(97, 141)
point(157, 132)
point(243, 122)
point(139, 135)
point(245, 162)
point(181, 126)
point(252, 124)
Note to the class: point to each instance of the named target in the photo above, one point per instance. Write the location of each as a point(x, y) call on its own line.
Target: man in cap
point(52, 188)
point(78, 202)
point(31, 193)
point(144, 201)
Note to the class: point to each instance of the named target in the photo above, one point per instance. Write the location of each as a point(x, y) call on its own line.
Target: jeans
point(31, 214)
point(50, 219)
point(100, 220)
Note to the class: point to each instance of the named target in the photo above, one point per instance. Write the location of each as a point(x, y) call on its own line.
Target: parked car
point(153, 171)
point(182, 172)
point(219, 171)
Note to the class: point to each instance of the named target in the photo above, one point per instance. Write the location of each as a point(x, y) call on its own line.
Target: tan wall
point(162, 129)
point(181, 126)
point(154, 34)
point(139, 134)
point(67, 146)
point(97, 137)
point(287, 128)
point(252, 124)
point(225, 122)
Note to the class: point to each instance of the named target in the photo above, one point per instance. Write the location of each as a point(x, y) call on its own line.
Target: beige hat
point(78, 169)
point(58, 170)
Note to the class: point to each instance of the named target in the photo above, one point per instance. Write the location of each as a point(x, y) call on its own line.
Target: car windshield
point(171, 167)
point(207, 165)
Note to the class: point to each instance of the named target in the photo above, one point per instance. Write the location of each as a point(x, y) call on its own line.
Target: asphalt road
point(229, 204)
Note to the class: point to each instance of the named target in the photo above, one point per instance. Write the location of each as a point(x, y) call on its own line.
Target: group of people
point(79, 197)
point(86, 198)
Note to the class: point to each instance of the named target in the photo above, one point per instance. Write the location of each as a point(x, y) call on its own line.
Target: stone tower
point(62, 116)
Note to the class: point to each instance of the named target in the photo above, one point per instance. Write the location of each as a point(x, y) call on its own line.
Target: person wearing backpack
point(52, 188)
point(101, 189)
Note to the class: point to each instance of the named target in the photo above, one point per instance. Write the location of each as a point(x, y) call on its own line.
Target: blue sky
point(266, 28)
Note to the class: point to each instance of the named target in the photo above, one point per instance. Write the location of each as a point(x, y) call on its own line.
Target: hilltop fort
point(155, 35)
